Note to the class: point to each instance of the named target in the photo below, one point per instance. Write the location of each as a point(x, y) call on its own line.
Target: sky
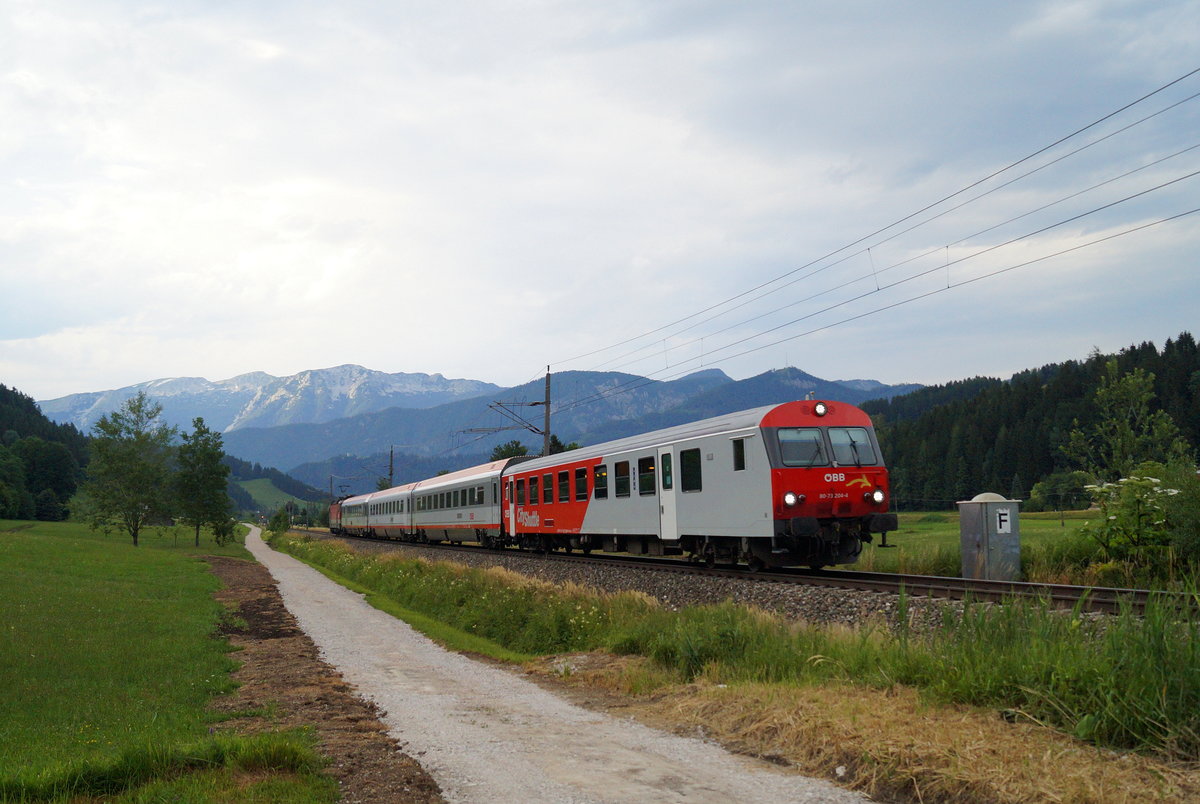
point(483, 189)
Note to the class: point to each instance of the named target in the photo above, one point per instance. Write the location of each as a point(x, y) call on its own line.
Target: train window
point(739, 454)
point(521, 491)
point(564, 486)
point(689, 470)
point(508, 492)
point(801, 446)
point(581, 483)
point(533, 490)
point(547, 488)
point(851, 445)
point(621, 471)
point(479, 495)
point(668, 479)
point(600, 482)
point(646, 484)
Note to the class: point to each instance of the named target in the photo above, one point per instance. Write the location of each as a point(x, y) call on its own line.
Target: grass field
point(929, 543)
point(266, 495)
point(108, 658)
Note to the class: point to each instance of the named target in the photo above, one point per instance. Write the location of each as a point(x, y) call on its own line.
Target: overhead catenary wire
point(613, 362)
point(895, 223)
point(643, 381)
point(720, 352)
point(635, 382)
point(875, 273)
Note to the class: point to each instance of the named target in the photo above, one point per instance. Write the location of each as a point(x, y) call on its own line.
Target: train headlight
point(791, 499)
point(876, 496)
point(820, 409)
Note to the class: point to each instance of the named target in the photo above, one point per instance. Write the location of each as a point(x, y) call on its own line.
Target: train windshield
point(852, 446)
point(802, 446)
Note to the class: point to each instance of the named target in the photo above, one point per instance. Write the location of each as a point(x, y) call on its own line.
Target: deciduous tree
point(129, 474)
point(511, 449)
point(200, 497)
point(1127, 432)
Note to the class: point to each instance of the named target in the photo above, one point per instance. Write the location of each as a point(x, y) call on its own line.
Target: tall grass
point(1123, 681)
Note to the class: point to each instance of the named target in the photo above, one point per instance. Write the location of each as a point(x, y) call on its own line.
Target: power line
point(875, 273)
point(641, 382)
point(904, 219)
point(635, 383)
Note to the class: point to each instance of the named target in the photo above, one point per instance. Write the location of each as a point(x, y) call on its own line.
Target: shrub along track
point(285, 684)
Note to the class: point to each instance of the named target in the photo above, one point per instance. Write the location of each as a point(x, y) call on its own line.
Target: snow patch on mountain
point(262, 400)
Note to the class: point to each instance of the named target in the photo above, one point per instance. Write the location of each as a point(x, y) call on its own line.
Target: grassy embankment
point(108, 658)
point(1133, 684)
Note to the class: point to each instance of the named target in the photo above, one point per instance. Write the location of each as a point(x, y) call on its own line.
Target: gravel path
point(487, 735)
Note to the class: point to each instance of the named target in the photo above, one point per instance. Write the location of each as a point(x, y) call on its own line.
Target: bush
point(1183, 511)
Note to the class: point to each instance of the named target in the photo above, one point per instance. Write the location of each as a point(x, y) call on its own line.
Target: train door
point(510, 509)
point(668, 521)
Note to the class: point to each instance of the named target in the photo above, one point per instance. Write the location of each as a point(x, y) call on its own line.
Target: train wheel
point(755, 564)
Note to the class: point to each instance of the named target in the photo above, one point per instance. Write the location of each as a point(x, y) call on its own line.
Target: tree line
point(40, 461)
point(947, 443)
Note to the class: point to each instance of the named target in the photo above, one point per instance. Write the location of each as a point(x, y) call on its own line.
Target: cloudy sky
point(482, 188)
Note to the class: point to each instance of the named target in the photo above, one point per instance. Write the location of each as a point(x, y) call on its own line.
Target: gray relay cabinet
point(991, 537)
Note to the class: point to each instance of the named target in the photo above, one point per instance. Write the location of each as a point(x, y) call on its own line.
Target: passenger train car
point(802, 483)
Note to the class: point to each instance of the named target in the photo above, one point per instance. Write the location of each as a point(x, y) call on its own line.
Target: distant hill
point(588, 407)
point(770, 388)
point(249, 476)
point(265, 495)
point(262, 400)
point(439, 430)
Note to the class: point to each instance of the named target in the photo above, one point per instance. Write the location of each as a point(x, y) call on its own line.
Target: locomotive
point(800, 483)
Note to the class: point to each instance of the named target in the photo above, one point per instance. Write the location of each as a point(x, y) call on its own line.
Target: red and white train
point(802, 483)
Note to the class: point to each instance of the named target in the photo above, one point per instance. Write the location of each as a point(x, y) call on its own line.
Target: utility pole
point(521, 423)
point(546, 427)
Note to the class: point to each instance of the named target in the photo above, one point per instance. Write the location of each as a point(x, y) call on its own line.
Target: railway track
point(1107, 600)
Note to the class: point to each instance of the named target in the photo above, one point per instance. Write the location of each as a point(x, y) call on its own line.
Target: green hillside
point(266, 496)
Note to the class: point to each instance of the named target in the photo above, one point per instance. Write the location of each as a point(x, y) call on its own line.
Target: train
point(801, 483)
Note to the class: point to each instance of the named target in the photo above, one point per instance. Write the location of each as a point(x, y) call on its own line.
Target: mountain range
point(325, 422)
point(262, 400)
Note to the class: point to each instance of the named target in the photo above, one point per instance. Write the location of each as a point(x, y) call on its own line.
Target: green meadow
point(266, 495)
point(108, 659)
point(929, 544)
